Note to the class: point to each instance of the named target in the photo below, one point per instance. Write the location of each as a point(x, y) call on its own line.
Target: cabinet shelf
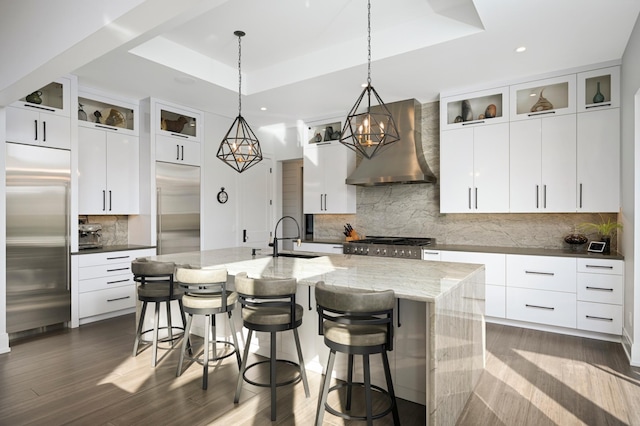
point(553, 96)
point(602, 82)
point(106, 113)
point(485, 107)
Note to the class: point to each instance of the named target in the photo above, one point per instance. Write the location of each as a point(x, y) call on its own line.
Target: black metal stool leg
point(232, 327)
point(156, 325)
point(243, 367)
point(303, 371)
point(367, 389)
point(272, 375)
point(392, 394)
point(185, 343)
point(205, 367)
point(139, 332)
point(349, 382)
point(169, 325)
point(184, 325)
point(324, 390)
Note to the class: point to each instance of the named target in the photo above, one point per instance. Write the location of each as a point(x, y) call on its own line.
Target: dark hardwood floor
point(87, 376)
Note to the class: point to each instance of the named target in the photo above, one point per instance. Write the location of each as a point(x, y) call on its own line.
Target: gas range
point(402, 247)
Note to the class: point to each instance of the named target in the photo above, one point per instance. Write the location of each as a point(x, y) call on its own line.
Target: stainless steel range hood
point(402, 161)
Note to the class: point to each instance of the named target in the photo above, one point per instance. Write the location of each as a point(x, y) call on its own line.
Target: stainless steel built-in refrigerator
point(178, 208)
point(37, 209)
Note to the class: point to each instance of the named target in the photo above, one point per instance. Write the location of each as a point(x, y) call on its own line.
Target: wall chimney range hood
point(403, 161)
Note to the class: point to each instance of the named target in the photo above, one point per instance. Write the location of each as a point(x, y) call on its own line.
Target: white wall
point(630, 238)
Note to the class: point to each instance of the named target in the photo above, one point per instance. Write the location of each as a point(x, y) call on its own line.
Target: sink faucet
point(274, 244)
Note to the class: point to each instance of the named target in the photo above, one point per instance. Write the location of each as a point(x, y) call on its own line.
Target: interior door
point(256, 189)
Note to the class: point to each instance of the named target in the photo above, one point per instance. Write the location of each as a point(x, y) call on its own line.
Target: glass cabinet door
point(476, 108)
point(599, 89)
point(107, 113)
point(553, 96)
point(53, 98)
point(178, 122)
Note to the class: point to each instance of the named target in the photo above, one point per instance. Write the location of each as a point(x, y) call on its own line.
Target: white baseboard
point(4, 343)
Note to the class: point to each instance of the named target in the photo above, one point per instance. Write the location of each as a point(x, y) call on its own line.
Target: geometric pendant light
point(369, 128)
point(240, 148)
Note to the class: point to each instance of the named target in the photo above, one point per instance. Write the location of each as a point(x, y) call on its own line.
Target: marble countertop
point(107, 249)
point(415, 280)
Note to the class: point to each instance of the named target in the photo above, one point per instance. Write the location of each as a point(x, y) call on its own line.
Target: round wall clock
point(222, 196)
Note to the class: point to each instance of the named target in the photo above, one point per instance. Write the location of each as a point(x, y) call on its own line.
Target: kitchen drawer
point(97, 271)
point(542, 307)
point(600, 317)
point(494, 263)
point(601, 266)
point(495, 301)
point(600, 288)
point(103, 283)
point(104, 301)
point(542, 272)
point(113, 257)
point(433, 255)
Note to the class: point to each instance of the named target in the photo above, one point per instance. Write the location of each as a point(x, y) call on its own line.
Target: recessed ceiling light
point(263, 108)
point(520, 49)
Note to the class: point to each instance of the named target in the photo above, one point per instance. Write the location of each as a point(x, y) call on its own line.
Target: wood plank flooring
point(87, 376)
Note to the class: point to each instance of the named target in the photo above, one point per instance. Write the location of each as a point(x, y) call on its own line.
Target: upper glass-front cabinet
point(476, 108)
point(599, 89)
point(53, 98)
point(178, 122)
point(553, 96)
point(95, 110)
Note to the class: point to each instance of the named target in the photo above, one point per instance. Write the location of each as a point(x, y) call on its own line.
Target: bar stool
point(356, 322)
point(156, 286)
point(269, 305)
point(206, 294)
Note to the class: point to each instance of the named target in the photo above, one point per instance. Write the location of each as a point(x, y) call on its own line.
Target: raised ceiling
point(305, 59)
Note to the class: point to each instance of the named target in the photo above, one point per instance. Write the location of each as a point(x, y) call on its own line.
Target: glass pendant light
point(369, 128)
point(240, 148)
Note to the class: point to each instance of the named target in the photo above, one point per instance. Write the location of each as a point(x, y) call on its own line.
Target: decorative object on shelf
point(467, 112)
point(605, 231)
point(173, 125)
point(223, 197)
point(374, 129)
point(575, 239)
point(542, 104)
point(81, 114)
point(490, 112)
point(318, 137)
point(97, 115)
point(240, 148)
point(328, 132)
point(481, 117)
point(112, 117)
point(34, 97)
point(458, 119)
point(598, 97)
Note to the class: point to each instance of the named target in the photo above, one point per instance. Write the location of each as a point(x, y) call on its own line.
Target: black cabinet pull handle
point(244, 235)
point(599, 266)
point(44, 131)
point(473, 122)
point(35, 126)
point(540, 113)
point(179, 135)
point(599, 318)
point(539, 307)
point(309, 298)
point(118, 269)
point(182, 156)
point(118, 257)
point(540, 273)
point(537, 196)
point(476, 198)
point(544, 196)
point(398, 309)
point(40, 107)
point(469, 198)
point(107, 127)
point(117, 281)
point(110, 203)
point(104, 200)
point(599, 105)
point(599, 288)
point(177, 152)
point(580, 195)
point(118, 298)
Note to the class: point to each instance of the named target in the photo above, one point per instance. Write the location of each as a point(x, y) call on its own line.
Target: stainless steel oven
point(399, 247)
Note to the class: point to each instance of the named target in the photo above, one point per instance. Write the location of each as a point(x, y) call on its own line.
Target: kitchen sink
point(298, 255)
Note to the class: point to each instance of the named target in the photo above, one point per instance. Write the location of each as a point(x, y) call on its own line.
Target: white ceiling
point(305, 59)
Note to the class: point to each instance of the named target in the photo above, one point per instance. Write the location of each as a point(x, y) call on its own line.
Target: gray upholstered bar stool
point(206, 294)
point(356, 322)
point(269, 305)
point(156, 285)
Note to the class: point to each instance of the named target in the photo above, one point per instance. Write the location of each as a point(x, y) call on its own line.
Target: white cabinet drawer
point(109, 300)
point(600, 288)
point(600, 317)
point(601, 266)
point(113, 257)
point(433, 255)
point(494, 263)
point(495, 301)
point(542, 272)
point(543, 307)
point(103, 283)
point(98, 271)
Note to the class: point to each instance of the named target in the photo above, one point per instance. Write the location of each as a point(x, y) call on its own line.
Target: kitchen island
point(444, 301)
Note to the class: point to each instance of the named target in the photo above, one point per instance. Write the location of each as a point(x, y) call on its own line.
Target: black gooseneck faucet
point(274, 244)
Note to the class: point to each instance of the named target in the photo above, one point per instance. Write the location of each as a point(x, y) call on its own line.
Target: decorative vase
point(467, 113)
point(598, 97)
point(81, 114)
point(34, 97)
point(607, 244)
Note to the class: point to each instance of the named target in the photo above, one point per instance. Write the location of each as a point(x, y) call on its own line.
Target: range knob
point(402, 253)
point(384, 252)
point(377, 252)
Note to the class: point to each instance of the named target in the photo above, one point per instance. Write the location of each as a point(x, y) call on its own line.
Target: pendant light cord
point(369, 42)
point(239, 76)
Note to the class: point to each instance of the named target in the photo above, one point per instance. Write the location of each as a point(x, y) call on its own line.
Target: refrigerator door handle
point(158, 220)
point(244, 235)
point(110, 204)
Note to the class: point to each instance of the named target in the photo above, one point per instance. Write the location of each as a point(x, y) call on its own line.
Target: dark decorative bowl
point(575, 240)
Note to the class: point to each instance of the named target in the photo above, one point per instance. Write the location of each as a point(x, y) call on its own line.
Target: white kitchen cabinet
point(557, 274)
point(115, 114)
point(495, 101)
point(474, 169)
point(543, 165)
point(103, 285)
point(495, 277)
point(325, 169)
point(38, 128)
point(558, 93)
point(108, 182)
point(433, 255)
point(541, 307)
point(600, 295)
point(334, 248)
point(599, 89)
point(598, 161)
point(176, 150)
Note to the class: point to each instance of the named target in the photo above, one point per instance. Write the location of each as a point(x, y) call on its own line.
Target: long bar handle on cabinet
point(179, 135)
point(182, 152)
point(104, 200)
point(598, 106)
point(244, 235)
point(35, 125)
point(537, 196)
point(117, 281)
point(539, 307)
point(540, 113)
point(580, 195)
point(600, 266)
point(320, 202)
point(398, 310)
point(110, 202)
point(325, 202)
point(476, 198)
point(39, 107)
point(309, 297)
point(158, 220)
point(599, 288)
point(118, 257)
point(599, 318)
point(544, 195)
point(44, 131)
point(177, 152)
point(469, 198)
point(118, 298)
point(106, 127)
point(539, 273)
point(118, 269)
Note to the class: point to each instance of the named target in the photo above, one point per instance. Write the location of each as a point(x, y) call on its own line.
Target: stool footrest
point(215, 358)
point(351, 417)
point(294, 380)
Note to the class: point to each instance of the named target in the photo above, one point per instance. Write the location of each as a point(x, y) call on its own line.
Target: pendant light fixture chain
point(239, 34)
point(369, 42)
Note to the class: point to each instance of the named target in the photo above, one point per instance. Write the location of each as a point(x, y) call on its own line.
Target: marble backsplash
point(414, 211)
point(115, 229)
